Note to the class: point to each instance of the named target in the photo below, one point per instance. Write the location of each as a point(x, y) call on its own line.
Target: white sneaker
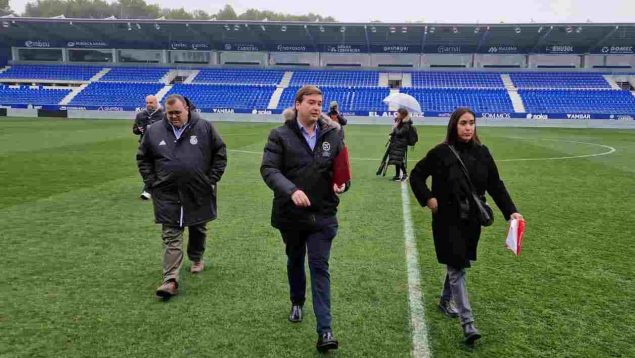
point(145, 195)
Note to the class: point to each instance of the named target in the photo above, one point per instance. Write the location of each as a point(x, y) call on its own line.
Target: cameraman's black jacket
point(289, 164)
point(182, 173)
point(144, 119)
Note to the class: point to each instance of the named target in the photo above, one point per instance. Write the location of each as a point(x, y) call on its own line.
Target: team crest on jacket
point(326, 146)
point(193, 140)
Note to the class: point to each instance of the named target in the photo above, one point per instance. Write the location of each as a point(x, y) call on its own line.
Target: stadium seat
point(25, 95)
point(135, 74)
point(115, 94)
point(348, 99)
point(558, 80)
point(578, 101)
point(336, 78)
point(448, 99)
point(51, 72)
point(456, 80)
point(225, 96)
point(239, 76)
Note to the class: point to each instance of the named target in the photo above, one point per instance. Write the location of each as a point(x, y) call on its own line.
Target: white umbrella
point(403, 100)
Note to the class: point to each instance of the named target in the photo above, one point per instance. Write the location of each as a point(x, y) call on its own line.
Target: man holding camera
point(152, 113)
point(335, 115)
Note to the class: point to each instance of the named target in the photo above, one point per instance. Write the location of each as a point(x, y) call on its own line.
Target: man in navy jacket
point(298, 166)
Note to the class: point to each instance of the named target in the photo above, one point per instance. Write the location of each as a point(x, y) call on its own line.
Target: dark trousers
point(400, 170)
point(315, 241)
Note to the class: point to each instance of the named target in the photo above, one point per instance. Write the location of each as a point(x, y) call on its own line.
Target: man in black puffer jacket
point(298, 166)
point(181, 159)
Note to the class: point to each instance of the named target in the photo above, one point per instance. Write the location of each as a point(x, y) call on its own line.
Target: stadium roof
point(207, 35)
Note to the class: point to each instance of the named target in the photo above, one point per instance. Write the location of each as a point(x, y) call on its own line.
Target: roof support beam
point(541, 40)
point(481, 41)
point(606, 37)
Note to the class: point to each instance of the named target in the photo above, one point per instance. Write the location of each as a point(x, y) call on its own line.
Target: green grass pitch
point(80, 254)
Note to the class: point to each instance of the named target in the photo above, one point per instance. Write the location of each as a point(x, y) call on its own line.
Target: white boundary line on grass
point(420, 345)
point(610, 150)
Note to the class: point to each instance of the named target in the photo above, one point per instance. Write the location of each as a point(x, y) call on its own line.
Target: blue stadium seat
point(335, 78)
point(122, 94)
point(225, 96)
point(558, 80)
point(51, 72)
point(348, 99)
point(448, 99)
point(135, 74)
point(239, 76)
point(578, 101)
point(36, 96)
point(456, 80)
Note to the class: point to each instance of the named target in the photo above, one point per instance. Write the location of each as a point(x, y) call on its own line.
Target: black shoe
point(396, 178)
point(447, 308)
point(326, 341)
point(404, 177)
point(296, 314)
point(470, 333)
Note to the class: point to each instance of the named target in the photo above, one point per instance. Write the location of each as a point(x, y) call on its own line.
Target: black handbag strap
point(467, 174)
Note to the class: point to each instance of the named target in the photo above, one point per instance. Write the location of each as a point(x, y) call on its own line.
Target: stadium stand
point(50, 72)
point(115, 94)
point(247, 89)
point(448, 99)
point(239, 76)
point(31, 95)
point(558, 80)
point(225, 96)
point(578, 101)
point(136, 74)
point(456, 80)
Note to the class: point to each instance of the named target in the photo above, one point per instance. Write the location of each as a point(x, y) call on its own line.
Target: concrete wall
point(621, 60)
point(429, 60)
point(313, 59)
point(362, 60)
point(482, 60)
point(260, 58)
point(554, 60)
point(408, 59)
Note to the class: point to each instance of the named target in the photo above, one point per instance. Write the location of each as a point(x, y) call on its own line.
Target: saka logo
point(193, 140)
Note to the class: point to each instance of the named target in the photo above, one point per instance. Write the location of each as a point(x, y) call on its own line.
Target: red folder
point(341, 168)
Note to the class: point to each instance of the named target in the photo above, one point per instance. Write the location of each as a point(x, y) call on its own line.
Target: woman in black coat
point(455, 227)
point(399, 144)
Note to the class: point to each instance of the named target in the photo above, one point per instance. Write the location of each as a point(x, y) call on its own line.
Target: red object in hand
point(341, 168)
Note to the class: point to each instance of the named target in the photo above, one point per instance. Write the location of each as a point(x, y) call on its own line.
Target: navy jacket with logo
point(289, 164)
point(182, 174)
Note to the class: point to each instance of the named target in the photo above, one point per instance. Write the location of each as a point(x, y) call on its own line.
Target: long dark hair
point(453, 133)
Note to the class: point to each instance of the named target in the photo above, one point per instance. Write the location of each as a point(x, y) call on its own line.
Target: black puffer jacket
point(289, 164)
point(399, 143)
point(182, 173)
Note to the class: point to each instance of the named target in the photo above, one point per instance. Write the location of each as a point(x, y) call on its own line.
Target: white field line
point(609, 150)
point(420, 346)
